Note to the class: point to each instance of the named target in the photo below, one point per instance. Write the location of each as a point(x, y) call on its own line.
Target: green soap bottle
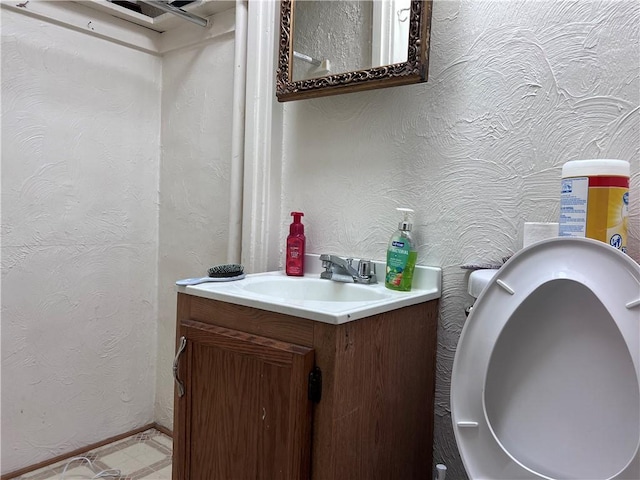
point(401, 255)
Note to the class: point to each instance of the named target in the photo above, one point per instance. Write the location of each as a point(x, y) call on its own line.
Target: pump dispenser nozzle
point(296, 227)
point(405, 225)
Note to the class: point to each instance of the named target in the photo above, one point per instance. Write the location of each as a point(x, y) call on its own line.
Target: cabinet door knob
point(176, 365)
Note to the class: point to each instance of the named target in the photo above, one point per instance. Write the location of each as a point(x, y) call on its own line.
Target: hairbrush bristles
point(226, 270)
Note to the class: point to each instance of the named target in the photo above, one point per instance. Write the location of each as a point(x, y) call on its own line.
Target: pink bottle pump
point(295, 246)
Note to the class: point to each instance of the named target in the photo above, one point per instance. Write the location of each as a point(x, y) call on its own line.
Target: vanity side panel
point(383, 395)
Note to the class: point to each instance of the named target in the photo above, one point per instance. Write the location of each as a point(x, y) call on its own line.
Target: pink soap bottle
point(295, 247)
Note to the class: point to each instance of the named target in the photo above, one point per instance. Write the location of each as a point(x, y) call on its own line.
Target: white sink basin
point(313, 289)
point(317, 299)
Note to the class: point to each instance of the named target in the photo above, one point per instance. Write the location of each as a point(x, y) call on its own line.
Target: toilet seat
point(546, 376)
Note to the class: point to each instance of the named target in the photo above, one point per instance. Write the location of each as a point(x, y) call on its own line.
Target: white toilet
point(546, 376)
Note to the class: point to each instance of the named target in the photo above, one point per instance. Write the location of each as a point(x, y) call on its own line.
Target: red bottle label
point(295, 257)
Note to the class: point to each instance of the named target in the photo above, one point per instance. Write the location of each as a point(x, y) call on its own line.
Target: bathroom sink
point(313, 289)
point(317, 299)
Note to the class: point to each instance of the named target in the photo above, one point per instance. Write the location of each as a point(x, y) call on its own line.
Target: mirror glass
point(343, 36)
point(339, 46)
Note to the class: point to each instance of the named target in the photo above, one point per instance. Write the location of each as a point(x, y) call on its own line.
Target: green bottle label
point(400, 265)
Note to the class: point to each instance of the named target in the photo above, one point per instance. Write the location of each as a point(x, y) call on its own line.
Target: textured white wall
point(516, 89)
point(194, 184)
point(80, 156)
point(337, 31)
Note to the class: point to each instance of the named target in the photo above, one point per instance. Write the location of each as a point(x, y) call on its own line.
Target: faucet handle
point(326, 261)
point(366, 268)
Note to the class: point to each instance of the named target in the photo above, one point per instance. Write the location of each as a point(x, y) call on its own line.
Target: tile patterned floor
point(146, 455)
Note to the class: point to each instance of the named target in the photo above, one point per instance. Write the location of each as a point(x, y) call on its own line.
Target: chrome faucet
point(363, 272)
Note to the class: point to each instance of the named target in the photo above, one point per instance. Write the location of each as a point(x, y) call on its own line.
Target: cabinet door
point(245, 412)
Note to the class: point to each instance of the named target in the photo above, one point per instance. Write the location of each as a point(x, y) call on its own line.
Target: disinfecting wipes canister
point(594, 202)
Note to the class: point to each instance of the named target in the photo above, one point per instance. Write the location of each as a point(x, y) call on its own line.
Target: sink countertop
point(372, 299)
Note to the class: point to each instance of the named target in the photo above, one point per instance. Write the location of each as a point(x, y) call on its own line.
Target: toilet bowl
point(545, 381)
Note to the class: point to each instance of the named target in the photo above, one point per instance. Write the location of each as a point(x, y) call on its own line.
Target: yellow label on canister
point(607, 215)
point(595, 207)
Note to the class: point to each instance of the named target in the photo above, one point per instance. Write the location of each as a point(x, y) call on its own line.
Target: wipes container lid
point(602, 167)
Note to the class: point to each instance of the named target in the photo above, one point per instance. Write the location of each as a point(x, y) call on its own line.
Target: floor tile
point(145, 455)
point(144, 451)
point(42, 474)
point(163, 474)
point(124, 463)
point(80, 472)
point(164, 440)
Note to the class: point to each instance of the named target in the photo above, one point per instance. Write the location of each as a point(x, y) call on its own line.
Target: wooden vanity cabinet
point(247, 411)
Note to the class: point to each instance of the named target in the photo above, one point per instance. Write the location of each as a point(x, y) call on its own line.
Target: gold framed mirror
point(341, 46)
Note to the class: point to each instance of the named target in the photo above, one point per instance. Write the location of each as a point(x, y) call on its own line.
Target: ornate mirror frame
point(414, 70)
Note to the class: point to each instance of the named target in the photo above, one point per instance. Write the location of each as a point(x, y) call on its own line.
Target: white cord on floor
point(110, 472)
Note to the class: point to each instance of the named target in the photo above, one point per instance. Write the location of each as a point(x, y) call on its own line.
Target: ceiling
point(155, 19)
